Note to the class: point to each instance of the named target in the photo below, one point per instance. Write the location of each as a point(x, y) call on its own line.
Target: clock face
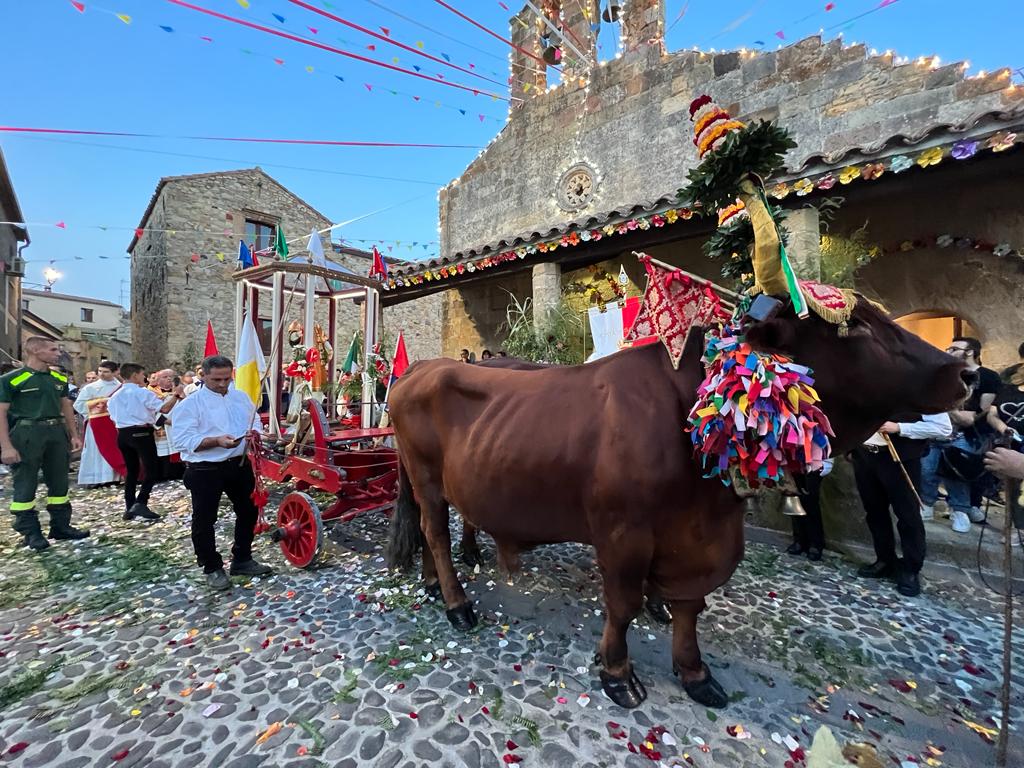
point(576, 188)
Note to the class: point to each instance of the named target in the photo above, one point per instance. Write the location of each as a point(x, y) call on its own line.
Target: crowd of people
point(137, 429)
point(973, 453)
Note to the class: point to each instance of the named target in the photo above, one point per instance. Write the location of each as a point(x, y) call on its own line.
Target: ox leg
point(655, 605)
point(624, 599)
point(686, 662)
point(471, 554)
point(429, 572)
point(508, 560)
point(434, 521)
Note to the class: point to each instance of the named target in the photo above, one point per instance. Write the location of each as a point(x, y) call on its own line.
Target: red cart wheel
point(300, 529)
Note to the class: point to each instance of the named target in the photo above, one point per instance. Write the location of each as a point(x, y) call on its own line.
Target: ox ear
point(775, 335)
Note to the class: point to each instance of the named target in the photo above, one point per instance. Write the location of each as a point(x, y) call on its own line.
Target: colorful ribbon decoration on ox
point(756, 413)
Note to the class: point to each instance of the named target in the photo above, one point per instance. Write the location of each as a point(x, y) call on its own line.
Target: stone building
point(185, 250)
point(586, 172)
point(13, 239)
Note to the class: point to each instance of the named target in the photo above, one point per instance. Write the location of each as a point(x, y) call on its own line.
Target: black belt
point(39, 421)
point(239, 460)
point(145, 427)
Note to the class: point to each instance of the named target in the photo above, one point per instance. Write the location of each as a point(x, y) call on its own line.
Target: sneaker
point(927, 512)
point(141, 510)
point(250, 568)
point(960, 522)
point(218, 580)
point(977, 515)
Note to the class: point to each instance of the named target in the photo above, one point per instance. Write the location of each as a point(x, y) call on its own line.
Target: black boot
point(27, 524)
point(61, 528)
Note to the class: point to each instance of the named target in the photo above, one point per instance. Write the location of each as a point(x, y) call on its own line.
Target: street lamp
point(51, 276)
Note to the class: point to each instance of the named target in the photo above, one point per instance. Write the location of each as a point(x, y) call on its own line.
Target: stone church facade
point(185, 251)
point(924, 157)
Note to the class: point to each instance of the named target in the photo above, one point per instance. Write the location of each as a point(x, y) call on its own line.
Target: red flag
point(211, 341)
point(80, 7)
point(379, 268)
point(400, 362)
point(379, 362)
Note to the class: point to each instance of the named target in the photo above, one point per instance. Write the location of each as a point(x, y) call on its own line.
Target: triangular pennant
point(462, 111)
point(385, 30)
point(80, 7)
point(166, 29)
point(446, 57)
point(278, 16)
point(279, 61)
point(124, 17)
point(314, 30)
point(371, 47)
point(368, 87)
point(244, 3)
point(342, 79)
point(419, 44)
point(417, 68)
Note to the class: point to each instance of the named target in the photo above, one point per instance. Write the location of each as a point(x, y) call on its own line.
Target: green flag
point(352, 358)
point(280, 246)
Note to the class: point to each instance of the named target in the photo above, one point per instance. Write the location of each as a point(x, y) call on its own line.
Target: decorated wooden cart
point(309, 446)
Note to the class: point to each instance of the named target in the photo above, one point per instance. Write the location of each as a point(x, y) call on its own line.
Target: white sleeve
point(81, 401)
point(187, 434)
point(935, 426)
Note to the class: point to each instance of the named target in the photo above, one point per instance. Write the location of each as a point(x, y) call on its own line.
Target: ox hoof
point(463, 617)
point(627, 693)
point(658, 611)
point(472, 557)
point(434, 590)
point(706, 691)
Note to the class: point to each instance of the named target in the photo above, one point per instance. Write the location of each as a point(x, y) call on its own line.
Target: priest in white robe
point(101, 460)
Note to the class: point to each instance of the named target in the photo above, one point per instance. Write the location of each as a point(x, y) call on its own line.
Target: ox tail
point(404, 535)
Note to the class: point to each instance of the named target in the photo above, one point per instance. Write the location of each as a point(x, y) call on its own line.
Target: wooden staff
point(906, 475)
point(1004, 720)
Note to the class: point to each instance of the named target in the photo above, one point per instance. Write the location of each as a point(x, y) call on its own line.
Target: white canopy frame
point(309, 282)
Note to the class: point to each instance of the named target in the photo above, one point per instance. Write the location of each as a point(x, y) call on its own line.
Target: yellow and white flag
point(249, 364)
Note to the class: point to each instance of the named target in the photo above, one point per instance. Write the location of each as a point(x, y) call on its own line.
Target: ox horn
point(767, 257)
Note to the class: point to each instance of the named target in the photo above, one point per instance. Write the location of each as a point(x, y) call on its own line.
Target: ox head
point(874, 373)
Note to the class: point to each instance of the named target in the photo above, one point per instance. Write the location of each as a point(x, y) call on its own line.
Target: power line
point(390, 41)
point(490, 32)
point(230, 160)
point(329, 48)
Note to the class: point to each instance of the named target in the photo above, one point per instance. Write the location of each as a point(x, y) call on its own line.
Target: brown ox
point(598, 454)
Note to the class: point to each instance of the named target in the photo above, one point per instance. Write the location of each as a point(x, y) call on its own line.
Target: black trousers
point(139, 449)
point(208, 482)
point(808, 530)
point(882, 486)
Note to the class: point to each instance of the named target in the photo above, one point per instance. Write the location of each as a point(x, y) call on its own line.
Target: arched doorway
point(937, 327)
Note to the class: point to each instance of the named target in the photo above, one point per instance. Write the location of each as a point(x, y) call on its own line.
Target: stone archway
point(937, 326)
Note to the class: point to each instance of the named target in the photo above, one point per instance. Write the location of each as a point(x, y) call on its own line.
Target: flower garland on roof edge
point(960, 150)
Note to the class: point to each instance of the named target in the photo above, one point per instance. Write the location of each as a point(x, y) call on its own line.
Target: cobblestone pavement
point(115, 654)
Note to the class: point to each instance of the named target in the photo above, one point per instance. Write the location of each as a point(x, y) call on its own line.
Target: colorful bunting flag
point(245, 256)
point(280, 244)
point(124, 17)
point(80, 7)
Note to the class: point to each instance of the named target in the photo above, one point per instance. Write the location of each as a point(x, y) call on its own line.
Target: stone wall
point(980, 202)
point(636, 131)
point(172, 296)
point(474, 317)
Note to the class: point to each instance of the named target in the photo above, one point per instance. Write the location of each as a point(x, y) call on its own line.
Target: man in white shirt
point(882, 484)
point(196, 384)
point(134, 409)
point(210, 429)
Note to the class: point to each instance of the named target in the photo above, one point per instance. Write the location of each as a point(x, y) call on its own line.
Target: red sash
point(105, 434)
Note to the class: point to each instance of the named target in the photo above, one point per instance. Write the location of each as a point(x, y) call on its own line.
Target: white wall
point(60, 310)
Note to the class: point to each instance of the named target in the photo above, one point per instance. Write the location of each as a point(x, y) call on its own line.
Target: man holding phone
point(210, 428)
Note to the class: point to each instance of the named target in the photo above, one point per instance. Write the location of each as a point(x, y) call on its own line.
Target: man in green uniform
point(36, 422)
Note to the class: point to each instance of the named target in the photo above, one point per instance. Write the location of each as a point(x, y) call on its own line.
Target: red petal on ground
point(21, 746)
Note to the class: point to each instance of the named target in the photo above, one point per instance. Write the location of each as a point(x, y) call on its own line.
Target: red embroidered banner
point(673, 304)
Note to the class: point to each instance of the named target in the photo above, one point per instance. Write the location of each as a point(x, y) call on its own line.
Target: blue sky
point(92, 71)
